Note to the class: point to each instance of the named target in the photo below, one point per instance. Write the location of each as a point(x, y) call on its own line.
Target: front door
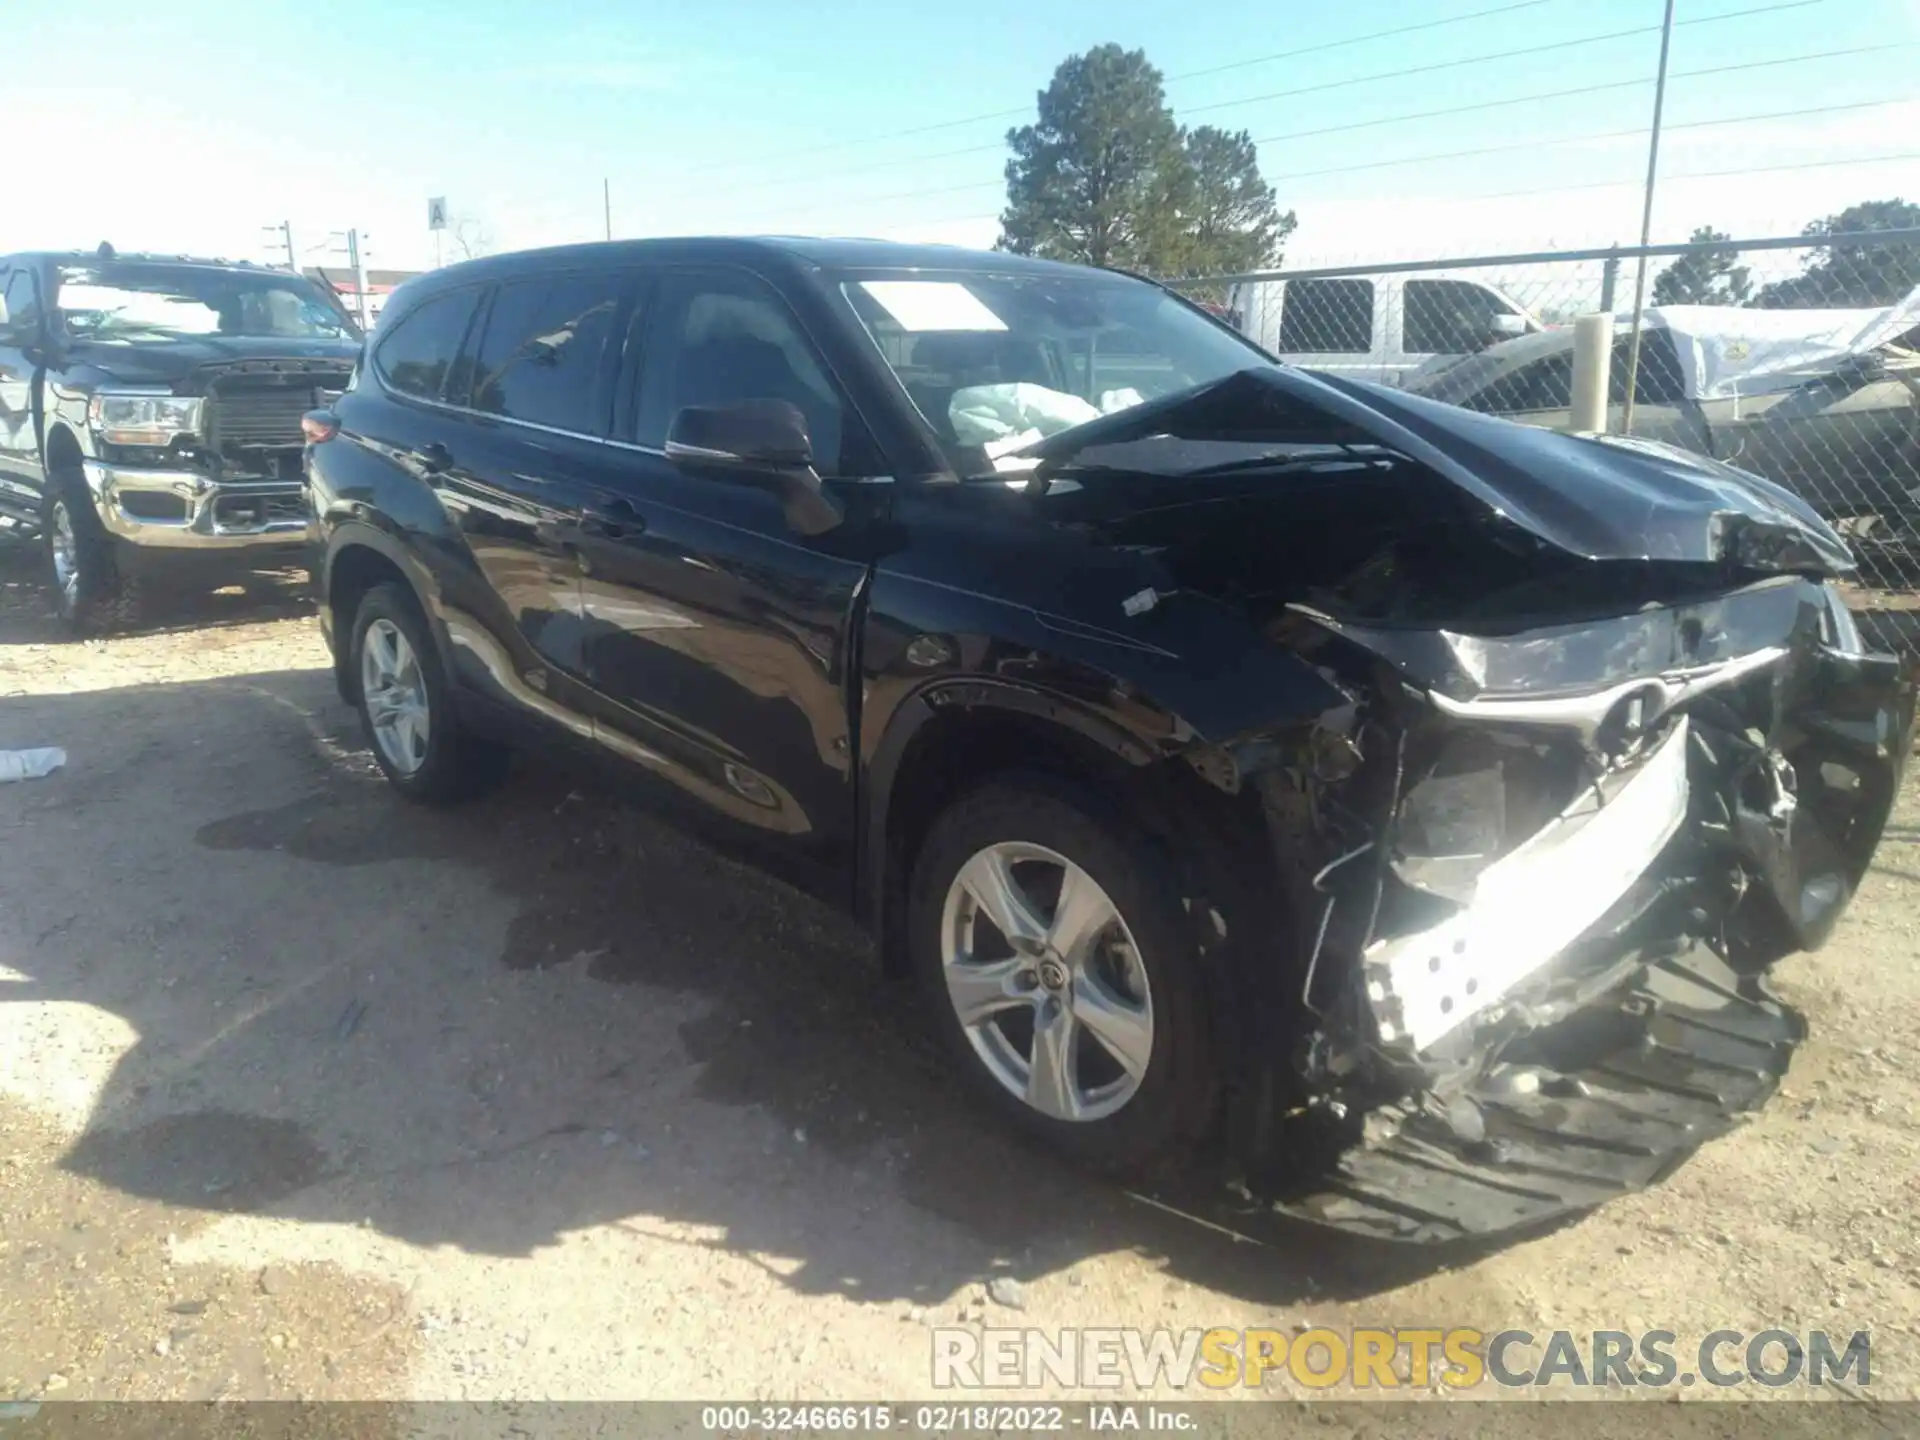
point(717, 636)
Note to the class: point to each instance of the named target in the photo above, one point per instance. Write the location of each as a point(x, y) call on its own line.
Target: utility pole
point(284, 231)
point(606, 199)
point(355, 259)
point(1646, 220)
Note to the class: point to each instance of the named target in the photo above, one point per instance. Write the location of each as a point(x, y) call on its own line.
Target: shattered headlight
point(126, 417)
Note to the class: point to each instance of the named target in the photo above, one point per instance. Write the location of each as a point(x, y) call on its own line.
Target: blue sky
point(194, 125)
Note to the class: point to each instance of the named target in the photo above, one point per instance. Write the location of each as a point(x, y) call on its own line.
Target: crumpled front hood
point(1608, 498)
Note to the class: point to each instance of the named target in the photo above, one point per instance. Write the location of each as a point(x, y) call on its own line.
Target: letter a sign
point(437, 213)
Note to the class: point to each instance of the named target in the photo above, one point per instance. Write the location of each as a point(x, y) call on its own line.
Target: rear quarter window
point(417, 354)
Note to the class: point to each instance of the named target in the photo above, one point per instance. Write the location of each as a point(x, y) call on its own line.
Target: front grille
point(248, 419)
point(257, 405)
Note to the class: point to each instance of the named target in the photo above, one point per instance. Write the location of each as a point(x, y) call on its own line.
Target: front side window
point(1658, 380)
point(727, 337)
point(134, 302)
point(416, 354)
point(539, 359)
point(996, 361)
point(1449, 317)
point(1327, 317)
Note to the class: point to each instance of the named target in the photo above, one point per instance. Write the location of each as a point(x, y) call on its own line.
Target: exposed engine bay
point(1605, 752)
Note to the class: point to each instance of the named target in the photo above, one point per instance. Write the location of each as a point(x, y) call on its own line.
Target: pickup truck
point(1375, 327)
point(150, 418)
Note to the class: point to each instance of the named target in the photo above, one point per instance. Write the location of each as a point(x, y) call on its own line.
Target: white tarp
point(1726, 351)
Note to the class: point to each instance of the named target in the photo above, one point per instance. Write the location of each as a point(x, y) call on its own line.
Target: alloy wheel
point(395, 692)
point(1047, 982)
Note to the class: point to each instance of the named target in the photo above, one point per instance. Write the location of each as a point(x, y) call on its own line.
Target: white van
point(1375, 327)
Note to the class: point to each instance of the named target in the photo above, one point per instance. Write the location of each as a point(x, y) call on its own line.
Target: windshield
point(134, 302)
point(997, 362)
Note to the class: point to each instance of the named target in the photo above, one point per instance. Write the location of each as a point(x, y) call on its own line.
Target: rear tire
point(1117, 966)
point(406, 705)
point(92, 594)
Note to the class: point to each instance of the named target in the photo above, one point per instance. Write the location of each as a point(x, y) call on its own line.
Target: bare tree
point(469, 237)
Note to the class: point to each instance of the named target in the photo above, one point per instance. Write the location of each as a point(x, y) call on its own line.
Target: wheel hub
point(395, 693)
point(1046, 982)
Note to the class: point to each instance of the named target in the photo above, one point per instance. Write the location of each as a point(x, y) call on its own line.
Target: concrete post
point(1592, 357)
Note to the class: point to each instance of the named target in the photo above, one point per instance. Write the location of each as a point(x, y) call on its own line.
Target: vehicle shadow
point(28, 617)
point(492, 1026)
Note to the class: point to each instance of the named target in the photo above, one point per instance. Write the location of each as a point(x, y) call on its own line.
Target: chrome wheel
point(1046, 981)
point(395, 694)
point(66, 555)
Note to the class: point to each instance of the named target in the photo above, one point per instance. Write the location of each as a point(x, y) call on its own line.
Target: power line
point(1399, 119)
point(1699, 175)
point(1022, 110)
point(1687, 74)
point(1403, 118)
point(1346, 83)
point(1637, 130)
point(1520, 53)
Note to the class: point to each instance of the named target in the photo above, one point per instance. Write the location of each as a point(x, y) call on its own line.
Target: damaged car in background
point(1823, 401)
point(150, 419)
point(1298, 796)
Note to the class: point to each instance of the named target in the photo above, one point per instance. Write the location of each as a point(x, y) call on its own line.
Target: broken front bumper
point(1590, 1007)
point(1639, 1081)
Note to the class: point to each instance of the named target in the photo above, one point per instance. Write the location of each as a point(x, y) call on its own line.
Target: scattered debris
point(163, 1347)
point(349, 1020)
point(609, 1139)
point(30, 764)
point(1007, 1291)
point(273, 1281)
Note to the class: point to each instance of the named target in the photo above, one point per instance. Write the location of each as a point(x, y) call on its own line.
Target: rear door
point(520, 447)
point(20, 358)
point(1333, 324)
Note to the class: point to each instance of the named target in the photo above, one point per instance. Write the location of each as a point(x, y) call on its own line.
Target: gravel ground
point(305, 1092)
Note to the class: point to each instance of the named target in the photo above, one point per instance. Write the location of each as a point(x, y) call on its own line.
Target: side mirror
point(757, 442)
point(1505, 327)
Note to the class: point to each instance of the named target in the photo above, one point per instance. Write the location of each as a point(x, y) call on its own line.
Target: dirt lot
point(307, 1092)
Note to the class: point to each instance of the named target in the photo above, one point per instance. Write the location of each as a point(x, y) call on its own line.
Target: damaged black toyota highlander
point(1317, 798)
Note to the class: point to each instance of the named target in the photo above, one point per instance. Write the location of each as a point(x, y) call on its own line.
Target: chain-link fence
point(1797, 358)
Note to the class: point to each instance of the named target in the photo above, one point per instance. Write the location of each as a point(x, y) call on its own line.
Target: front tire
point(90, 592)
point(406, 705)
point(1060, 971)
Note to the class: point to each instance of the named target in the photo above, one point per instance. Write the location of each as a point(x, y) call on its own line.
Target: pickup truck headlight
point(135, 419)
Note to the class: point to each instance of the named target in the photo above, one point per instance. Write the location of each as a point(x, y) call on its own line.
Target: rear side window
point(417, 354)
point(1658, 380)
point(1327, 317)
point(539, 360)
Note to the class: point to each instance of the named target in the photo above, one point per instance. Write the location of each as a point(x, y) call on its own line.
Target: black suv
point(1390, 806)
point(150, 417)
